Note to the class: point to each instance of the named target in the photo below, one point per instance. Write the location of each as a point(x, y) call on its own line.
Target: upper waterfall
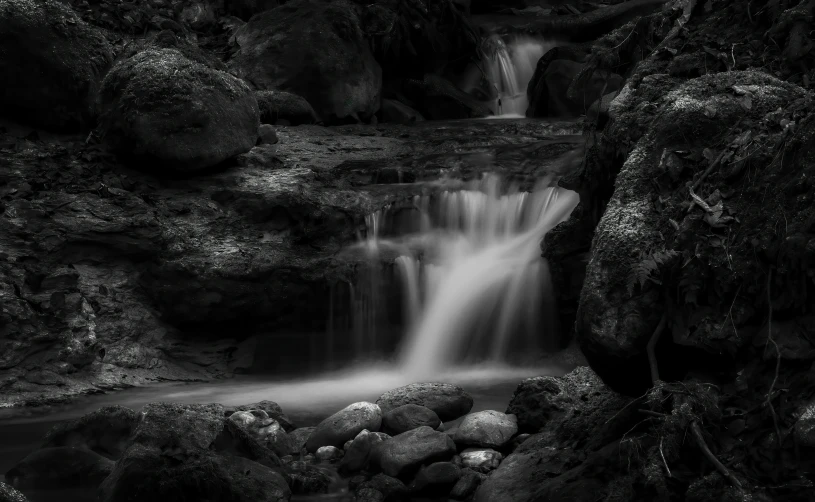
point(509, 66)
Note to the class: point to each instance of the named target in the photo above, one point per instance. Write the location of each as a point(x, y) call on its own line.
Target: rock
point(481, 460)
point(185, 426)
point(399, 113)
point(51, 64)
point(369, 495)
point(467, 484)
point(344, 425)
point(391, 488)
point(299, 437)
point(404, 454)
point(328, 454)
point(439, 99)
point(145, 473)
point(267, 135)
point(598, 111)
point(407, 417)
point(105, 431)
point(10, 494)
point(550, 94)
point(519, 439)
point(263, 156)
point(804, 428)
point(244, 442)
point(446, 400)
point(489, 429)
point(437, 478)
point(307, 478)
point(285, 49)
point(286, 108)
point(266, 430)
point(358, 452)
point(245, 9)
point(191, 116)
point(199, 15)
point(59, 468)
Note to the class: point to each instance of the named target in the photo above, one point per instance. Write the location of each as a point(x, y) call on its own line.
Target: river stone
point(60, 467)
point(10, 494)
point(399, 113)
point(344, 425)
point(267, 135)
point(367, 494)
point(51, 64)
point(179, 113)
point(307, 478)
point(446, 400)
point(403, 454)
point(467, 485)
point(105, 431)
point(438, 477)
point(481, 460)
point(270, 407)
point(358, 452)
point(408, 417)
point(243, 442)
point(328, 454)
point(489, 429)
point(285, 108)
point(184, 426)
point(265, 429)
point(390, 487)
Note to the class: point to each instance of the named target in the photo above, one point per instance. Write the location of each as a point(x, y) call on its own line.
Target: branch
point(700, 441)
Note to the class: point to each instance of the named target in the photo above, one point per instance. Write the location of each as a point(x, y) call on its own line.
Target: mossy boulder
point(281, 107)
point(183, 115)
point(51, 65)
point(317, 50)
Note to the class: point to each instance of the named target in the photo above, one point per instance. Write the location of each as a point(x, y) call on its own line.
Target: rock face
point(51, 64)
point(344, 425)
point(316, 50)
point(182, 114)
point(489, 429)
point(281, 107)
point(446, 400)
point(105, 431)
point(408, 417)
point(58, 468)
point(403, 454)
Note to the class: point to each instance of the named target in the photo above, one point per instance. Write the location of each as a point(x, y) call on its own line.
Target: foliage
point(647, 268)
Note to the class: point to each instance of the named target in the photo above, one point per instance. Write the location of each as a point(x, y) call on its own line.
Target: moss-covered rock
point(51, 63)
point(314, 49)
point(184, 115)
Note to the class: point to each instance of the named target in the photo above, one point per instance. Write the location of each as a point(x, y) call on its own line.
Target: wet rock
point(244, 441)
point(105, 431)
point(403, 454)
point(51, 64)
point(193, 116)
point(467, 484)
point(436, 478)
point(267, 135)
point(481, 460)
point(446, 400)
point(391, 488)
point(399, 113)
point(10, 494)
point(307, 478)
point(328, 454)
point(147, 473)
point(285, 108)
point(285, 49)
point(185, 426)
point(266, 430)
point(344, 425)
point(489, 429)
point(407, 417)
point(58, 468)
point(358, 452)
point(300, 436)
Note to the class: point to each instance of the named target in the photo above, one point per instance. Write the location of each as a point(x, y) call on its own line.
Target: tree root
point(700, 442)
point(680, 23)
point(650, 349)
point(768, 399)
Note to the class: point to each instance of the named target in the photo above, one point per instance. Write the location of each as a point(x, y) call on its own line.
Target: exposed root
point(680, 23)
point(768, 400)
point(650, 349)
point(700, 442)
point(664, 462)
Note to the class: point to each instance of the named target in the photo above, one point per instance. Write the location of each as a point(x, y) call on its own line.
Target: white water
point(509, 68)
point(474, 287)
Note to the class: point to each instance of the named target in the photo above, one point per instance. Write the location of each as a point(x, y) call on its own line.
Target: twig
point(700, 442)
point(767, 400)
point(651, 347)
point(664, 462)
point(653, 413)
point(709, 169)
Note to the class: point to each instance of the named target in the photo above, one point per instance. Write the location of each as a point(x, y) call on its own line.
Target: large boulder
point(58, 468)
point(184, 426)
point(317, 50)
point(180, 114)
point(488, 429)
point(344, 425)
point(281, 107)
point(105, 431)
point(266, 430)
point(51, 64)
point(551, 91)
point(448, 401)
point(402, 455)
point(437, 478)
point(408, 417)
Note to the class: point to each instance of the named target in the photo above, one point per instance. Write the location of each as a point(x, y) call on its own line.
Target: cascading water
point(509, 66)
point(472, 282)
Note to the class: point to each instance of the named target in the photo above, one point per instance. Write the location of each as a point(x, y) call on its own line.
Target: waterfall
point(509, 67)
point(467, 267)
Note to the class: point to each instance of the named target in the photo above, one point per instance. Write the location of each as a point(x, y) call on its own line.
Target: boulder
point(267, 135)
point(245, 442)
point(270, 407)
point(58, 468)
point(307, 478)
point(408, 417)
point(402, 455)
point(446, 400)
point(181, 114)
point(804, 429)
point(391, 488)
point(399, 113)
point(437, 478)
point(10, 494)
point(266, 430)
point(556, 94)
point(467, 485)
point(489, 429)
point(367, 494)
point(147, 473)
point(344, 425)
point(299, 437)
point(179, 426)
point(105, 431)
point(358, 452)
point(439, 99)
point(328, 454)
point(285, 108)
point(481, 460)
point(314, 49)
point(51, 64)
